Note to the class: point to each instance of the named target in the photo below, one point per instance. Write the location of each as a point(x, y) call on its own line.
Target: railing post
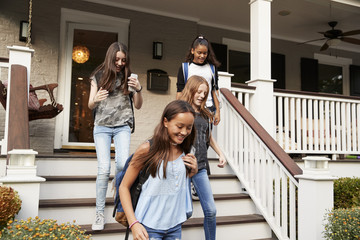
point(22, 56)
point(21, 168)
point(21, 176)
point(315, 197)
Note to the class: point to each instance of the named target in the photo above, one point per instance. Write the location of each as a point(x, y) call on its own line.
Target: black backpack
point(118, 212)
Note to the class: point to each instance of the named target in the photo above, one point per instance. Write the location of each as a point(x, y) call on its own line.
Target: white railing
point(312, 123)
point(263, 168)
point(317, 123)
point(242, 92)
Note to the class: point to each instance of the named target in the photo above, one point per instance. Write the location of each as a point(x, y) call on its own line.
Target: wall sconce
point(23, 34)
point(157, 50)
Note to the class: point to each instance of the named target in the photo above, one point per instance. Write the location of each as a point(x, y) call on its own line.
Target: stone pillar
point(21, 176)
point(22, 56)
point(315, 197)
point(261, 102)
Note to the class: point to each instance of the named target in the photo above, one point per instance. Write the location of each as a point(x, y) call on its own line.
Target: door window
point(81, 120)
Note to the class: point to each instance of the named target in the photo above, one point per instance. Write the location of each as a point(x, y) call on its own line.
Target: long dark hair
point(201, 40)
point(107, 70)
point(160, 147)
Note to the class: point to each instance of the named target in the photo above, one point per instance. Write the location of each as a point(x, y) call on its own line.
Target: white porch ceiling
point(306, 18)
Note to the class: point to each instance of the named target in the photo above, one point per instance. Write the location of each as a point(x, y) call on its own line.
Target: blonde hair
point(191, 87)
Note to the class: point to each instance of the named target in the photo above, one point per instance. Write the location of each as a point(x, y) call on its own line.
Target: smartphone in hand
point(132, 89)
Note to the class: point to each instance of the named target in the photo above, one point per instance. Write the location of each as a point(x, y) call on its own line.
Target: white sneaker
point(99, 222)
point(194, 194)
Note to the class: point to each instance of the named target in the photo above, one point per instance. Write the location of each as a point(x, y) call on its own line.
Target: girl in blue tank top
point(165, 201)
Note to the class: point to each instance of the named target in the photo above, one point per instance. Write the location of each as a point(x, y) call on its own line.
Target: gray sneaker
point(99, 222)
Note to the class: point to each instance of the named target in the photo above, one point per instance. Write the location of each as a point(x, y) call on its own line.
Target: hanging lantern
point(80, 54)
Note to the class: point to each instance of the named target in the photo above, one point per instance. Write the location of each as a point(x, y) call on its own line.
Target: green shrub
point(42, 229)
point(10, 204)
point(347, 193)
point(342, 224)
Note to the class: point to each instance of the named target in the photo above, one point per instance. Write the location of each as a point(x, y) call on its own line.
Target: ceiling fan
point(334, 36)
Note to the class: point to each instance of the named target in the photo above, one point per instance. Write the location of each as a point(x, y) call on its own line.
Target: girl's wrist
point(139, 89)
point(136, 221)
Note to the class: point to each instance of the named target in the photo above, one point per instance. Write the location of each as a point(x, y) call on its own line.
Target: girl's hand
point(190, 162)
point(222, 162)
point(217, 118)
point(101, 95)
point(139, 232)
point(134, 83)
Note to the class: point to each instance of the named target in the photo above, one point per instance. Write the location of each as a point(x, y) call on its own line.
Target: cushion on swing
point(34, 103)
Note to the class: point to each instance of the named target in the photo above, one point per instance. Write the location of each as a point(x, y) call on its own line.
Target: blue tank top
point(165, 202)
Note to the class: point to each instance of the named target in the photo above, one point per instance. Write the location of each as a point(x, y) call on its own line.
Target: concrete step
point(58, 187)
point(65, 210)
point(238, 227)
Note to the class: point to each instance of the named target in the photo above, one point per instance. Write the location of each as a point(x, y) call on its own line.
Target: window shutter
point(354, 80)
point(309, 75)
point(278, 70)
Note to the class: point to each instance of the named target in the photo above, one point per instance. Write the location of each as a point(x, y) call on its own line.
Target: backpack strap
point(185, 67)
point(212, 68)
point(131, 95)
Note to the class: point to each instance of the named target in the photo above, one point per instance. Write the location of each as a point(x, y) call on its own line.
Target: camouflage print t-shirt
point(115, 110)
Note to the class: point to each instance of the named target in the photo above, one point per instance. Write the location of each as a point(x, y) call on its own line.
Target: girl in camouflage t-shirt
point(111, 102)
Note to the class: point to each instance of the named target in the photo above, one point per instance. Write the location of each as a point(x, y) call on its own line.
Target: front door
point(86, 49)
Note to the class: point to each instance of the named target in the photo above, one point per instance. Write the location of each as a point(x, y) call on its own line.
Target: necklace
point(174, 144)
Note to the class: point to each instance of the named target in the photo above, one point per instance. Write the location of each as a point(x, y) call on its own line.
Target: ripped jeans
point(102, 138)
point(170, 234)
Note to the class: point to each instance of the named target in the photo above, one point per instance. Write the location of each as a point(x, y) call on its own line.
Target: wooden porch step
point(93, 177)
point(75, 186)
point(190, 223)
point(85, 202)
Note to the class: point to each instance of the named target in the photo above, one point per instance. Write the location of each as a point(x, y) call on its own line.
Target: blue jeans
point(170, 234)
point(203, 189)
point(102, 139)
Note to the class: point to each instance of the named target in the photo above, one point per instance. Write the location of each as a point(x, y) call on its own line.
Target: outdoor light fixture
point(157, 50)
point(23, 34)
point(80, 54)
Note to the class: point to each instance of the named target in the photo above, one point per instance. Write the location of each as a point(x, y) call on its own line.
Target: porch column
point(22, 56)
point(315, 197)
point(261, 102)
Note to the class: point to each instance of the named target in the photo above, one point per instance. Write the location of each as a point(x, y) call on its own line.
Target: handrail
point(285, 159)
point(261, 165)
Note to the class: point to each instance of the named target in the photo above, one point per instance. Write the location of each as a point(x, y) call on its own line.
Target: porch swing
point(37, 109)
